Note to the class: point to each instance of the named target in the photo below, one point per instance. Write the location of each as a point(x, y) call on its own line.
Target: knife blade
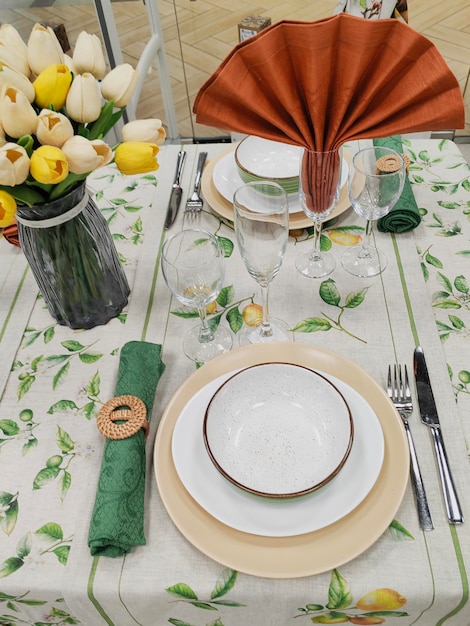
point(430, 418)
point(176, 191)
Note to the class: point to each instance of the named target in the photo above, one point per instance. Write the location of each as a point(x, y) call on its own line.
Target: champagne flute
point(193, 269)
point(319, 190)
point(375, 183)
point(261, 217)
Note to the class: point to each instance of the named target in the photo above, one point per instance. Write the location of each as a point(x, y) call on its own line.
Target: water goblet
point(319, 190)
point(375, 183)
point(261, 217)
point(193, 269)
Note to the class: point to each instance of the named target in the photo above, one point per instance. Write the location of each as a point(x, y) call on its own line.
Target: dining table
point(350, 552)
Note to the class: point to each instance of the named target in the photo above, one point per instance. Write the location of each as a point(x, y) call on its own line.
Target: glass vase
point(69, 248)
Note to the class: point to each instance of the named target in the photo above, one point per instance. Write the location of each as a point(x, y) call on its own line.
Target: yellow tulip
point(52, 86)
point(49, 165)
point(84, 156)
point(13, 50)
point(148, 130)
point(17, 115)
point(88, 55)
point(14, 164)
point(44, 49)
point(136, 157)
point(119, 84)
point(83, 102)
point(10, 76)
point(7, 209)
point(53, 129)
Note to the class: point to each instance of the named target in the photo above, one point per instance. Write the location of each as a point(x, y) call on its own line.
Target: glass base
point(315, 267)
point(356, 263)
point(281, 332)
point(203, 352)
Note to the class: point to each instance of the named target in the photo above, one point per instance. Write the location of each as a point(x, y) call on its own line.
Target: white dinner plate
point(268, 517)
point(227, 180)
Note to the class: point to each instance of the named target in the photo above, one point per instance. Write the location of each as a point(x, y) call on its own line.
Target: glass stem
point(205, 333)
point(365, 251)
point(265, 328)
point(316, 253)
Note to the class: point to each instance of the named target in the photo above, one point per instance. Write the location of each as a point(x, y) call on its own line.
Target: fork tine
point(407, 396)
point(389, 383)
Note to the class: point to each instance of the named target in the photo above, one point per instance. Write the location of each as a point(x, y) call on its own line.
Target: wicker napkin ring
point(134, 418)
point(390, 163)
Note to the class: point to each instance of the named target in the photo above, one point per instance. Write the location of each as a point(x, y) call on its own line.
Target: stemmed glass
point(375, 183)
point(261, 217)
point(319, 190)
point(193, 268)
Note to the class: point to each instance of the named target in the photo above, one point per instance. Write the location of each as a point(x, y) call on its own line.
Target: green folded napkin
point(117, 522)
point(405, 214)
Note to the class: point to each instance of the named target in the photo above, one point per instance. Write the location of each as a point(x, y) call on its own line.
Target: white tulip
point(149, 131)
point(119, 84)
point(11, 76)
point(83, 102)
point(17, 115)
point(88, 55)
point(84, 156)
point(3, 139)
point(68, 61)
point(14, 164)
point(44, 49)
point(13, 50)
point(53, 129)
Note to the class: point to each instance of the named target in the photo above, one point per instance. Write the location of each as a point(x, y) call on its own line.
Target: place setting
point(248, 486)
point(254, 159)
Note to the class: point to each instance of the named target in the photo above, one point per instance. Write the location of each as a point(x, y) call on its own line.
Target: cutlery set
point(194, 203)
point(398, 389)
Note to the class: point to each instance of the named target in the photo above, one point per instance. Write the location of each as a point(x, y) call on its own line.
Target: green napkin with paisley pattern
point(405, 214)
point(117, 521)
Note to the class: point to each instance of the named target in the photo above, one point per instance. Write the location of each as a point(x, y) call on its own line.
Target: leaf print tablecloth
point(50, 451)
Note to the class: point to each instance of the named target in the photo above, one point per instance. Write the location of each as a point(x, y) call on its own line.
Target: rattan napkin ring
point(133, 419)
point(390, 163)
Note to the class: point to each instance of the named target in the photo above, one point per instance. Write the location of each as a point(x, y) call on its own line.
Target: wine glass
point(193, 268)
point(319, 190)
point(261, 217)
point(375, 183)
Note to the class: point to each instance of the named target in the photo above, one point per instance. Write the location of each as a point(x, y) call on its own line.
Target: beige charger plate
point(301, 555)
point(224, 208)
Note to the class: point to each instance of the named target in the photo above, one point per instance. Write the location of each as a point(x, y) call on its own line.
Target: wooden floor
point(199, 34)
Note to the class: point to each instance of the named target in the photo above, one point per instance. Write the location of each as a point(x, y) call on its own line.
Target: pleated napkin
point(117, 522)
point(404, 215)
point(321, 84)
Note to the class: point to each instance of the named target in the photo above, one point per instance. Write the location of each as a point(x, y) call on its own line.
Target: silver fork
point(195, 202)
point(398, 389)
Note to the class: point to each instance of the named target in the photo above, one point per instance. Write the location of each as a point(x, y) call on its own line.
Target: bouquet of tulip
point(55, 112)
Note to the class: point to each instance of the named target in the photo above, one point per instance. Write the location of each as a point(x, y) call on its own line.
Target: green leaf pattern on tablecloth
point(450, 288)
point(44, 348)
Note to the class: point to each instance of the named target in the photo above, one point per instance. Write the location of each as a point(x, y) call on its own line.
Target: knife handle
point(179, 167)
point(454, 512)
point(424, 514)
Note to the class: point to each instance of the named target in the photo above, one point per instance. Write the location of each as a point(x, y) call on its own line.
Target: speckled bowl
point(278, 430)
point(262, 159)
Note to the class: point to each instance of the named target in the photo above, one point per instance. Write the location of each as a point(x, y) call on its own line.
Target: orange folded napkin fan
point(320, 84)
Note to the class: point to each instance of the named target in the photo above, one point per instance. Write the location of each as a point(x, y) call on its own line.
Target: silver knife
point(430, 418)
point(176, 191)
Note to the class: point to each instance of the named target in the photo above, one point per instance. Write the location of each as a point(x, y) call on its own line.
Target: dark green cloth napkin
point(405, 214)
point(117, 522)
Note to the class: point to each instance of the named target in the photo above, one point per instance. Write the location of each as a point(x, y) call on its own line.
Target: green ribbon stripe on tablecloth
point(117, 522)
point(404, 215)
